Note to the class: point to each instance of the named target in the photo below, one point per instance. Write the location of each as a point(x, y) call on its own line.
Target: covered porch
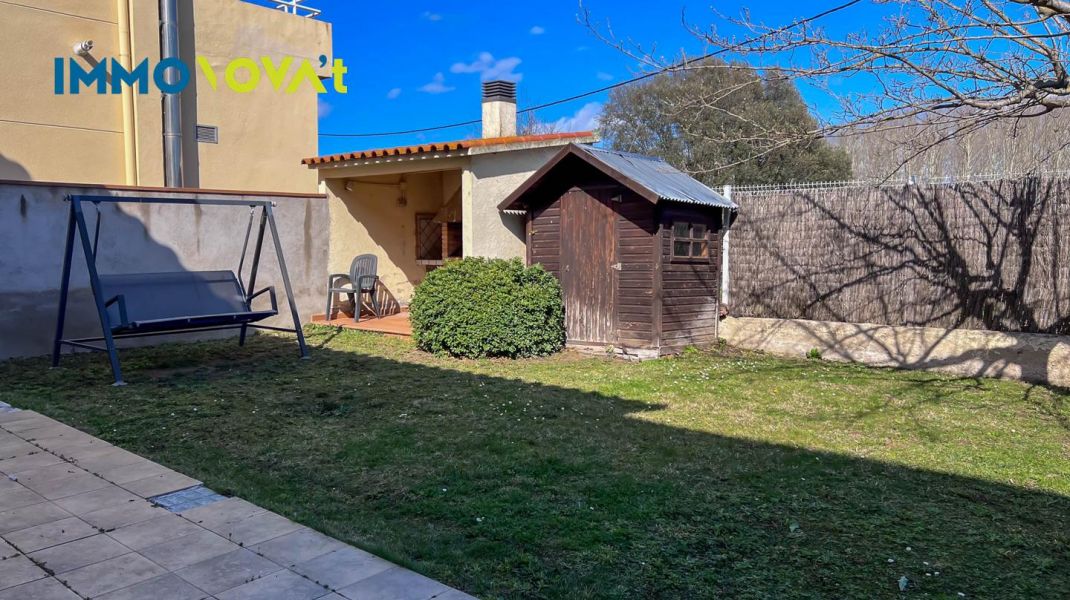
point(396, 324)
point(408, 217)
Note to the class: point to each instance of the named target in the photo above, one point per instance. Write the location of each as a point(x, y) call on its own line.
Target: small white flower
point(891, 560)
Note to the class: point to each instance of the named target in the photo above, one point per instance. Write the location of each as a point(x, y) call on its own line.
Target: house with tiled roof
point(416, 206)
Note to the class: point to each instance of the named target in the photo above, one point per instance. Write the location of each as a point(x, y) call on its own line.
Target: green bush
point(479, 307)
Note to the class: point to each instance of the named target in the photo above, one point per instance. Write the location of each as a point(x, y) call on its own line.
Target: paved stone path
point(76, 522)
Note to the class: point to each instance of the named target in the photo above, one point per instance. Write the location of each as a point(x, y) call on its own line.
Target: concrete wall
point(971, 353)
point(78, 139)
point(138, 238)
point(488, 180)
point(370, 220)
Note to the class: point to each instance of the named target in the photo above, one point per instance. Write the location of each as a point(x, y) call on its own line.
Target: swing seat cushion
point(157, 302)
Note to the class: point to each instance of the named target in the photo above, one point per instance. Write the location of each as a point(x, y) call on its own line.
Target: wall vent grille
point(207, 134)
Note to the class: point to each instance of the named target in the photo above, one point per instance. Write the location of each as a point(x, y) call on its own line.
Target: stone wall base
point(972, 353)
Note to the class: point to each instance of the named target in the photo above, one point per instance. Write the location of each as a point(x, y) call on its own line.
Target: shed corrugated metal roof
point(658, 176)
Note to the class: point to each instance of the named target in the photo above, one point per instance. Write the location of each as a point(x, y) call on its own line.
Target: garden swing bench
point(132, 305)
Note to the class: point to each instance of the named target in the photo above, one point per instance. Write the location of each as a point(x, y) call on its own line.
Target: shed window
point(689, 240)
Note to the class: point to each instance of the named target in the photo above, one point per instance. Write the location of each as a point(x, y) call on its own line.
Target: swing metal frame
point(194, 323)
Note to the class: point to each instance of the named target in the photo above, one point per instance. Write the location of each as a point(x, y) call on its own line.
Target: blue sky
point(417, 64)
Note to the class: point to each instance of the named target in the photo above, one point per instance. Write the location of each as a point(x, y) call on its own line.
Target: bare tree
point(531, 124)
point(942, 69)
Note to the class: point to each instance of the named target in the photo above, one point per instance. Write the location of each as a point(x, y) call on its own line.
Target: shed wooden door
point(588, 277)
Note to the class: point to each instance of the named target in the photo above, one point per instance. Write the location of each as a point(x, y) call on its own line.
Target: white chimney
point(499, 109)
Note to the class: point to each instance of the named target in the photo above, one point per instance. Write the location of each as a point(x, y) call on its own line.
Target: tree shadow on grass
point(508, 488)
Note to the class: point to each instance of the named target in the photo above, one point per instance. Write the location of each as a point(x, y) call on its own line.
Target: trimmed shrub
point(478, 307)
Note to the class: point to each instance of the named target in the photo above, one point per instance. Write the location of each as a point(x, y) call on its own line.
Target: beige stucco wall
point(488, 180)
point(971, 353)
point(263, 135)
point(370, 220)
point(44, 136)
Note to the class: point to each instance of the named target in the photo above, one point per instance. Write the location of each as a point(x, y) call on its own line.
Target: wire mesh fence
point(977, 254)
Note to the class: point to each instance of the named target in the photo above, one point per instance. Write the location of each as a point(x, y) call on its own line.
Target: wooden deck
point(397, 325)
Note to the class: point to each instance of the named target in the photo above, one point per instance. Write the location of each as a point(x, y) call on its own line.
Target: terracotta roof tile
point(445, 147)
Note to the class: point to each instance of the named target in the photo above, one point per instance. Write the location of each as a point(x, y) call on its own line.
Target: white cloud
point(393, 93)
point(490, 68)
point(536, 30)
point(604, 76)
point(437, 85)
point(430, 16)
point(585, 119)
point(323, 108)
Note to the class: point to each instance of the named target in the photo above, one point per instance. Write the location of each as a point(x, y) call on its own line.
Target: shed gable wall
point(635, 233)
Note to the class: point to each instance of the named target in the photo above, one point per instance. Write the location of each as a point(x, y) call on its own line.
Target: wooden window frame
point(420, 216)
point(690, 240)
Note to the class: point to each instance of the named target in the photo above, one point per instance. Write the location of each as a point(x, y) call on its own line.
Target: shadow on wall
point(936, 259)
point(394, 240)
point(133, 238)
point(604, 492)
point(12, 170)
point(187, 45)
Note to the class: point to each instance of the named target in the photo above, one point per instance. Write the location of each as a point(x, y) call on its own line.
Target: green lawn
point(708, 475)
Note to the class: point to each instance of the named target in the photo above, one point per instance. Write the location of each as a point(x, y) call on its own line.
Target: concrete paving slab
point(215, 516)
point(260, 527)
point(28, 516)
point(79, 553)
point(55, 512)
point(19, 570)
point(188, 550)
point(154, 531)
point(42, 589)
point(18, 497)
point(132, 472)
point(297, 547)
point(164, 483)
point(227, 571)
point(164, 587)
point(60, 481)
point(51, 534)
point(122, 515)
point(29, 461)
point(112, 574)
point(62, 487)
point(13, 447)
point(396, 584)
point(283, 585)
point(8, 418)
point(85, 503)
point(343, 567)
point(106, 458)
point(7, 550)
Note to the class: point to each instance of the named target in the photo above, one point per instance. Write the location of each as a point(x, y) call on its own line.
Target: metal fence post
point(725, 278)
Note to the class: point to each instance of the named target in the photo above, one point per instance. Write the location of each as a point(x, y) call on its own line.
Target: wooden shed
point(635, 243)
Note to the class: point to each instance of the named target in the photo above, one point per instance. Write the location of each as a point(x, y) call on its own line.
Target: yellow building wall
point(263, 135)
point(370, 220)
point(44, 136)
point(67, 138)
